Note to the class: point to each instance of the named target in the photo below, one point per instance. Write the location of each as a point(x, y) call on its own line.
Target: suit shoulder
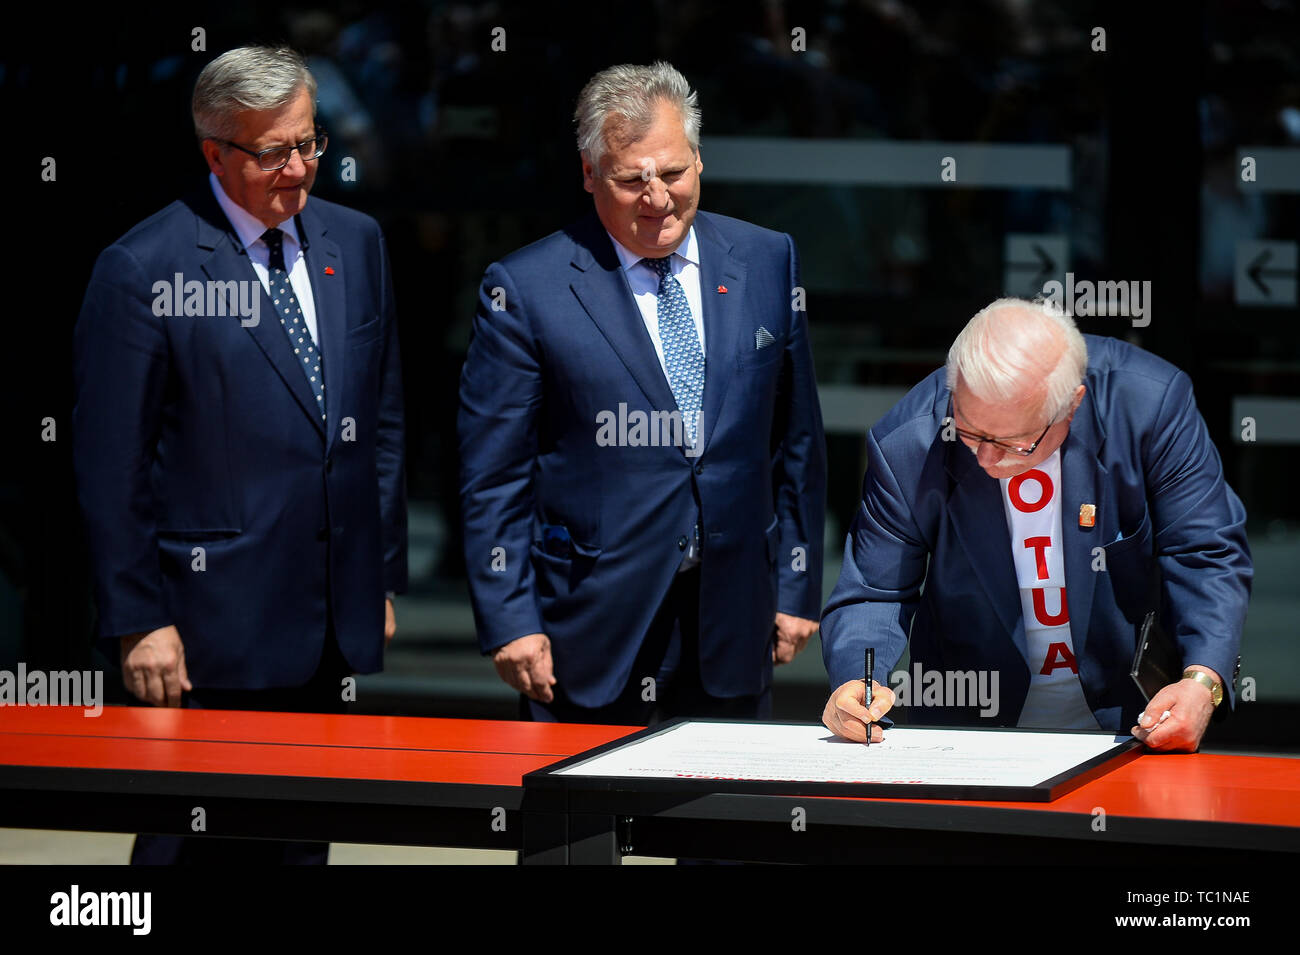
point(340, 216)
point(559, 245)
point(744, 233)
point(156, 233)
point(914, 417)
point(1117, 366)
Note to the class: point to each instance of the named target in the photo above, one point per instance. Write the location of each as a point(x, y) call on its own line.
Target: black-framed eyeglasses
point(277, 157)
point(981, 439)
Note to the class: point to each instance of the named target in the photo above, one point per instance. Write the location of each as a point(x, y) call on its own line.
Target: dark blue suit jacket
point(199, 432)
point(558, 340)
point(1171, 530)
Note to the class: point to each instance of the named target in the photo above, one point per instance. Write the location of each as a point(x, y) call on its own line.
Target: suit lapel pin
point(329, 270)
point(722, 290)
point(1087, 515)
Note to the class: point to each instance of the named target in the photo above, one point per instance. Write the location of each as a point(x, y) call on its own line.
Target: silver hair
point(249, 77)
point(1002, 348)
point(627, 95)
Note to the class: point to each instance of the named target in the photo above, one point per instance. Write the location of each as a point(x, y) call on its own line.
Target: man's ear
point(1078, 399)
point(588, 175)
point(212, 153)
point(699, 163)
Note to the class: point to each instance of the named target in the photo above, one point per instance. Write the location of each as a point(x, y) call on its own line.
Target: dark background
point(464, 153)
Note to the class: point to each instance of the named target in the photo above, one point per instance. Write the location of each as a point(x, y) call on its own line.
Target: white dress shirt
point(644, 282)
point(250, 229)
point(1032, 503)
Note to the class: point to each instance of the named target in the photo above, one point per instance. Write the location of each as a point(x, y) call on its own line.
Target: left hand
point(1190, 709)
point(792, 634)
point(390, 621)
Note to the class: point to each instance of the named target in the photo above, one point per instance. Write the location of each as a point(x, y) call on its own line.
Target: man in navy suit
point(643, 462)
point(1024, 509)
point(238, 419)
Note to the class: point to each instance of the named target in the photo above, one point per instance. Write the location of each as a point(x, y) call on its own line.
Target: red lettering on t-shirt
point(1040, 545)
point(1044, 482)
point(1040, 609)
point(1066, 660)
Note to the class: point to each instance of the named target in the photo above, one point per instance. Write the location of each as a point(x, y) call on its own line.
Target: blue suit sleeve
point(880, 581)
point(390, 445)
point(1200, 536)
point(120, 370)
point(799, 478)
point(500, 396)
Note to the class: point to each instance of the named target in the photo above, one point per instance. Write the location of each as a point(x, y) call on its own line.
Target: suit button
point(329, 465)
point(699, 469)
point(681, 543)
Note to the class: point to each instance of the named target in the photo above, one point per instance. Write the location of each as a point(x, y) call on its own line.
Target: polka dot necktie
point(291, 318)
point(682, 354)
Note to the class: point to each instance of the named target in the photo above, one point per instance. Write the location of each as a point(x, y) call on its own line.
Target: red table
point(459, 783)
point(341, 778)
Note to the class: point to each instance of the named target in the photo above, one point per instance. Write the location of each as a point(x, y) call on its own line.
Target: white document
point(777, 752)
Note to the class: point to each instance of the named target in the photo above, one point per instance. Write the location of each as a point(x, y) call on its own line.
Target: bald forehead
point(1029, 323)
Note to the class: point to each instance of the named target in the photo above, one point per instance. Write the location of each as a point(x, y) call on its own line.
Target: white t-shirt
point(1033, 506)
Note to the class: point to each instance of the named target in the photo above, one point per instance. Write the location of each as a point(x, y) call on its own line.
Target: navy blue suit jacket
point(1171, 531)
point(195, 431)
point(558, 340)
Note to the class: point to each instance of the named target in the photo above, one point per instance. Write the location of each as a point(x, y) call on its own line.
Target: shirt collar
point(688, 250)
point(247, 226)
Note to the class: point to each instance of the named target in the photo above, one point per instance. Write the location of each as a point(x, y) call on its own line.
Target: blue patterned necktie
point(291, 318)
point(682, 354)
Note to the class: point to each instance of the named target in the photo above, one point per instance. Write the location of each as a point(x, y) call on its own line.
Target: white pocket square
point(762, 338)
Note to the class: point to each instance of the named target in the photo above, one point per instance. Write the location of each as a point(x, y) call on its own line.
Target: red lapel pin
point(329, 270)
point(722, 289)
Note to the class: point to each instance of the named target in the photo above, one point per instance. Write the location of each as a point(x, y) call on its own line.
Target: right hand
point(847, 716)
point(153, 666)
point(526, 665)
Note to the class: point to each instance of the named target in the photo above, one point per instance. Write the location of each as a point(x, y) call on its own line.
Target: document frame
point(562, 775)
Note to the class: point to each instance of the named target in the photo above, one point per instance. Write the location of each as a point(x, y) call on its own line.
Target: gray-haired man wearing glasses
point(1024, 510)
point(239, 429)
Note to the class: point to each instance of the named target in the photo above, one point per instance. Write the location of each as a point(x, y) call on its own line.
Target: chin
point(293, 206)
point(663, 239)
point(1005, 470)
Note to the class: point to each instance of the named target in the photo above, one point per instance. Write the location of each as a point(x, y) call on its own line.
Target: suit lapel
point(602, 289)
point(329, 295)
point(980, 522)
point(1082, 477)
point(722, 318)
point(223, 258)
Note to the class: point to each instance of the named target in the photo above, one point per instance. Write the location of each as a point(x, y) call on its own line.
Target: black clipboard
point(1156, 662)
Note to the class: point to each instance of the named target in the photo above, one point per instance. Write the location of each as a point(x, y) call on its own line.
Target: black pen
point(870, 694)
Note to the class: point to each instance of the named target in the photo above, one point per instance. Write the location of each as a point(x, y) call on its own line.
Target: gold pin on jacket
point(1087, 515)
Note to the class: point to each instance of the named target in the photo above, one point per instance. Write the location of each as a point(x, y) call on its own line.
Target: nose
point(656, 195)
point(988, 455)
point(295, 167)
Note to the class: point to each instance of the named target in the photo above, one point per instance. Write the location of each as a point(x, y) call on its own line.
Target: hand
point(792, 633)
point(390, 621)
point(153, 666)
point(847, 716)
point(526, 665)
point(1190, 708)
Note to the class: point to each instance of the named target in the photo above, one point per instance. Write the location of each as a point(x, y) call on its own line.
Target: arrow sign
point(1265, 273)
point(1032, 260)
